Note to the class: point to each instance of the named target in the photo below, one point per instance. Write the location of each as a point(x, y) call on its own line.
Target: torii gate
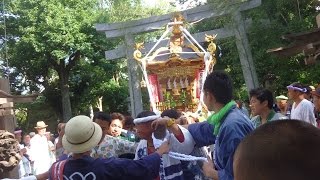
point(153, 23)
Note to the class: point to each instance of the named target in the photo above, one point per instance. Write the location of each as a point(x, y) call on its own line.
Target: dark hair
point(145, 114)
point(283, 149)
point(262, 95)
point(219, 84)
point(308, 88)
point(18, 129)
point(128, 121)
point(299, 85)
point(171, 113)
point(117, 116)
point(102, 116)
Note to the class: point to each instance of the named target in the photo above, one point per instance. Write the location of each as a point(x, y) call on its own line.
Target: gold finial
point(137, 53)
point(210, 38)
point(139, 46)
point(212, 46)
point(177, 16)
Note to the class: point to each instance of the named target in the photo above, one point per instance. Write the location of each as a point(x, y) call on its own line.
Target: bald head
point(279, 150)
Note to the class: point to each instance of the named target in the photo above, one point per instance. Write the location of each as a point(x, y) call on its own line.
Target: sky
point(187, 5)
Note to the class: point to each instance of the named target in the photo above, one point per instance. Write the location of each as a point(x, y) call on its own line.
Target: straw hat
point(81, 134)
point(312, 88)
point(41, 125)
point(316, 92)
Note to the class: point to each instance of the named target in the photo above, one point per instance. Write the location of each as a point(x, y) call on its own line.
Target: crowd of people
point(271, 140)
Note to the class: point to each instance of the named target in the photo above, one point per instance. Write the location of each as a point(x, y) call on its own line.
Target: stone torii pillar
point(134, 82)
point(244, 50)
point(128, 29)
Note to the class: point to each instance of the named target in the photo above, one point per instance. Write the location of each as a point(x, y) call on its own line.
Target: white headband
point(146, 119)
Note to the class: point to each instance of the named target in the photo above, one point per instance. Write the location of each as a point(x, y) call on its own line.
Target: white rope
point(161, 38)
point(184, 157)
point(195, 41)
point(184, 35)
point(175, 155)
point(207, 58)
point(144, 69)
point(145, 119)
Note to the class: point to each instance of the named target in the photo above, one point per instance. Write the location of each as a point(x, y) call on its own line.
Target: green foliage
point(49, 31)
point(28, 114)
point(270, 21)
point(115, 98)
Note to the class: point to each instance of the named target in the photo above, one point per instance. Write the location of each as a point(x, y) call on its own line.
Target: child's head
point(282, 149)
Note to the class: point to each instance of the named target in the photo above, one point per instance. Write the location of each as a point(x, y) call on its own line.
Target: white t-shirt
point(304, 111)
point(40, 154)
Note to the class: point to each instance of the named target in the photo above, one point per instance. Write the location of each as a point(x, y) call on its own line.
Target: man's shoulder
point(109, 140)
point(278, 116)
point(237, 119)
point(236, 116)
point(306, 103)
point(35, 138)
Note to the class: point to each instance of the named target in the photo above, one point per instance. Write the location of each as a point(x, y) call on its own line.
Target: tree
point(52, 40)
point(270, 21)
point(58, 52)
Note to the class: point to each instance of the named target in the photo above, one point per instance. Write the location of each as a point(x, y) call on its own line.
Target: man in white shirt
point(40, 149)
point(302, 109)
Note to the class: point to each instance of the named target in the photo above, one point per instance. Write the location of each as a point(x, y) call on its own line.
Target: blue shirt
point(234, 128)
point(112, 168)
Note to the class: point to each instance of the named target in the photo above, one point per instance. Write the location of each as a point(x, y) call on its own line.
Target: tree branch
point(72, 60)
point(52, 62)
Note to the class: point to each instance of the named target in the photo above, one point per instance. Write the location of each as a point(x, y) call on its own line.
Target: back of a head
point(279, 150)
point(171, 113)
point(219, 84)
point(262, 95)
point(102, 116)
point(128, 122)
